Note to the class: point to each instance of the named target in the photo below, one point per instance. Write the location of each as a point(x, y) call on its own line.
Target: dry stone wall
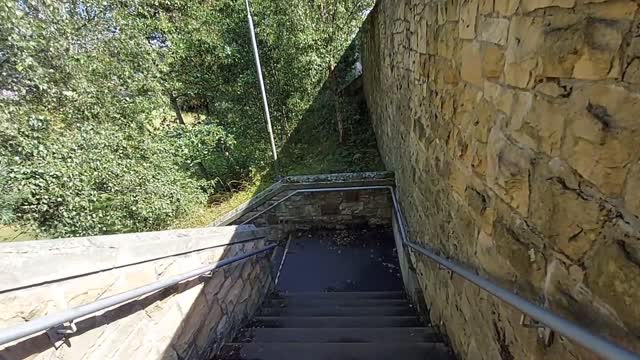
point(513, 130)
point(188, 321)
point(321, 211)
point(361, 200)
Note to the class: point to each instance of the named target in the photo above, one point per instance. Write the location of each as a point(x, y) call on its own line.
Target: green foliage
point(101, 179)
point(314, 147)
point(209, 152)
point(93, 93)
point(9, 197)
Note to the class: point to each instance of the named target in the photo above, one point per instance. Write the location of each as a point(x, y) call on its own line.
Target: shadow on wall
point(189, 320)
point(222, 306)
point(334, 135)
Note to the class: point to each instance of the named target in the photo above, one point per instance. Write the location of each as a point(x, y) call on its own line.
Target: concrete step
point(339, 335)
point(338, 310)
point(307, 302)
point(335, 321)
point(342, 295)
point(334, 351)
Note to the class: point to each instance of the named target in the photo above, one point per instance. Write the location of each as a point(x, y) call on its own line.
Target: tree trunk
point(340, 121)
point(201, 169)
point(333, 88)
point(176, 108)
point(285, 120)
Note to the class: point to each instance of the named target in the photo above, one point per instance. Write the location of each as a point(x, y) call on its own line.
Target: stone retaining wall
point(322, 211)
point(186, 321)
point(345, 208)
point(290, 183)
point(512, 128)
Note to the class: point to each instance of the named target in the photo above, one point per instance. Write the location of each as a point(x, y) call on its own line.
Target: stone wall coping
point(307, 182)
point(340, 177)
point(28, 263)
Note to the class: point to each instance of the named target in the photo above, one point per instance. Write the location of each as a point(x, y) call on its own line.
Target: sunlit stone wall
point(186, 321)
point(513, 130)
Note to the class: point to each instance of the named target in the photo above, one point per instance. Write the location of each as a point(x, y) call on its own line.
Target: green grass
point(221, 204)
point(312, 148)
point(15, 233)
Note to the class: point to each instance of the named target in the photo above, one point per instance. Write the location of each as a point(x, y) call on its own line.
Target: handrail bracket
point(544, 332)
point(447, 270)
point(59, 335)
point(207, 275)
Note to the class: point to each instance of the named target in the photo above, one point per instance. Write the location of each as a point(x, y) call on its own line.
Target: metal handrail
point(48, 322)
point(111, 268)
point(597, 344)
point(563, 326)
point(594, 343)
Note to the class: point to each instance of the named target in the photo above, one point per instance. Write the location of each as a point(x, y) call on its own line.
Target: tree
point(120, 116)
point(339, 22)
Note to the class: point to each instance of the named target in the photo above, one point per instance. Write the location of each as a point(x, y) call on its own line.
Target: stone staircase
point(337, 326)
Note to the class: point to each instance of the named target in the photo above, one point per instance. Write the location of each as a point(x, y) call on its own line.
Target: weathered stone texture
point(322, 210)
point(190, 320)
point(493, 30)
point(515, 140)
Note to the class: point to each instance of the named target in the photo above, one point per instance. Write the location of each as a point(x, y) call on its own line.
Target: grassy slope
point(15, 233)
point(221, 205)
point(312, 148)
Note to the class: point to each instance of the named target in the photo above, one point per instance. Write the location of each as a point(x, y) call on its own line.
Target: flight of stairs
point(337, 326)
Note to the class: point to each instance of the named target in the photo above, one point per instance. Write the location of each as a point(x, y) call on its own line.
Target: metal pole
point(262, 88)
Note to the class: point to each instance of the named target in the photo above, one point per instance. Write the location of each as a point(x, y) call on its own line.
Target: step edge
point(353, 344)
point(388, 307)
point(399, 343)
point(328, 298)
point(431, 328)
point(338, 317)
point(350, 293)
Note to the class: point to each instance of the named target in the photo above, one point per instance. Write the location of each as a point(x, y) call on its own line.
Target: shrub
point(8, 197)
point(98, 179)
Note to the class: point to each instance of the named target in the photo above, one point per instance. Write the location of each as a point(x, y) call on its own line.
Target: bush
point(98, 179)
point(91, 134)
point(210, 153)
point(8, 197)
